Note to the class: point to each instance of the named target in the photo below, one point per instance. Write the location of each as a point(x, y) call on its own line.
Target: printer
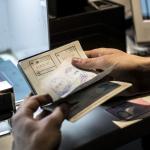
point(96, 24)
point(7, 101)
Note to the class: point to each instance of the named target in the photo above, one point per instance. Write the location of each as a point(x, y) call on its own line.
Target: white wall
point(27, 23)
point(4, 31)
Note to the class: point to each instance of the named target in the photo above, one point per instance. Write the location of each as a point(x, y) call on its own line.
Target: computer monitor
point(24, 27)
point(141, 18)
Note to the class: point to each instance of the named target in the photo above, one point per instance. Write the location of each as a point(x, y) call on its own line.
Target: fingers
point(92, 53)
point(32, 103)
point(98, 59)
point(88, 64)
point(100, 52)
point(57, 116)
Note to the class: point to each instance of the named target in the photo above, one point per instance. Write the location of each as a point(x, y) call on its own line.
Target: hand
point(40, 133)
point(103, 58)
point(129, 68)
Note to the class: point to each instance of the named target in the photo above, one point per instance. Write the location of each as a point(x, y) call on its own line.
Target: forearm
point(137, 72)
point(144, 75)
point(146, 64)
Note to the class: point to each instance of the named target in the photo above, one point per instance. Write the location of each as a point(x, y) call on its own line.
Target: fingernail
point(76, 60)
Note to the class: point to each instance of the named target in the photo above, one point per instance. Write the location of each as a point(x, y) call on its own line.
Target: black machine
point(95, 24)
point(60, 8)
point(7, 101)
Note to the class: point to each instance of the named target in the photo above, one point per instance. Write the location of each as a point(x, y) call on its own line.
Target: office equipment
point(7, 106)
point(7, 100)
point(141, 17)
point(100, 4)
point(93, 28)
point(127, 5)
point(57, 8)
point(23, 27)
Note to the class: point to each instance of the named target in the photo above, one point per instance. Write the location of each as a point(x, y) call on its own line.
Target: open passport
point(52, 72)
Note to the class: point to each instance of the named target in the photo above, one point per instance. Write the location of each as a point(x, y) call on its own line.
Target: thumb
point(87, 63)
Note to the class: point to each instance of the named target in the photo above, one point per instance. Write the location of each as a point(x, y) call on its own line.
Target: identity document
point(52, 73)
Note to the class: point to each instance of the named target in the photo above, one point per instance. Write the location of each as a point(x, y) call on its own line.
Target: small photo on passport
point(131, 109)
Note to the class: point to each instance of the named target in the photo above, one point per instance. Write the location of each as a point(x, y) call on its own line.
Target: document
point(52, 73)
point(130, 111)
point(40, 66)
point(67, 79)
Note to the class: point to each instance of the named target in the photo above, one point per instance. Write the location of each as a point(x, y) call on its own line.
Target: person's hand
point(37, 133)
point(129, 68)
point(103, 58)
